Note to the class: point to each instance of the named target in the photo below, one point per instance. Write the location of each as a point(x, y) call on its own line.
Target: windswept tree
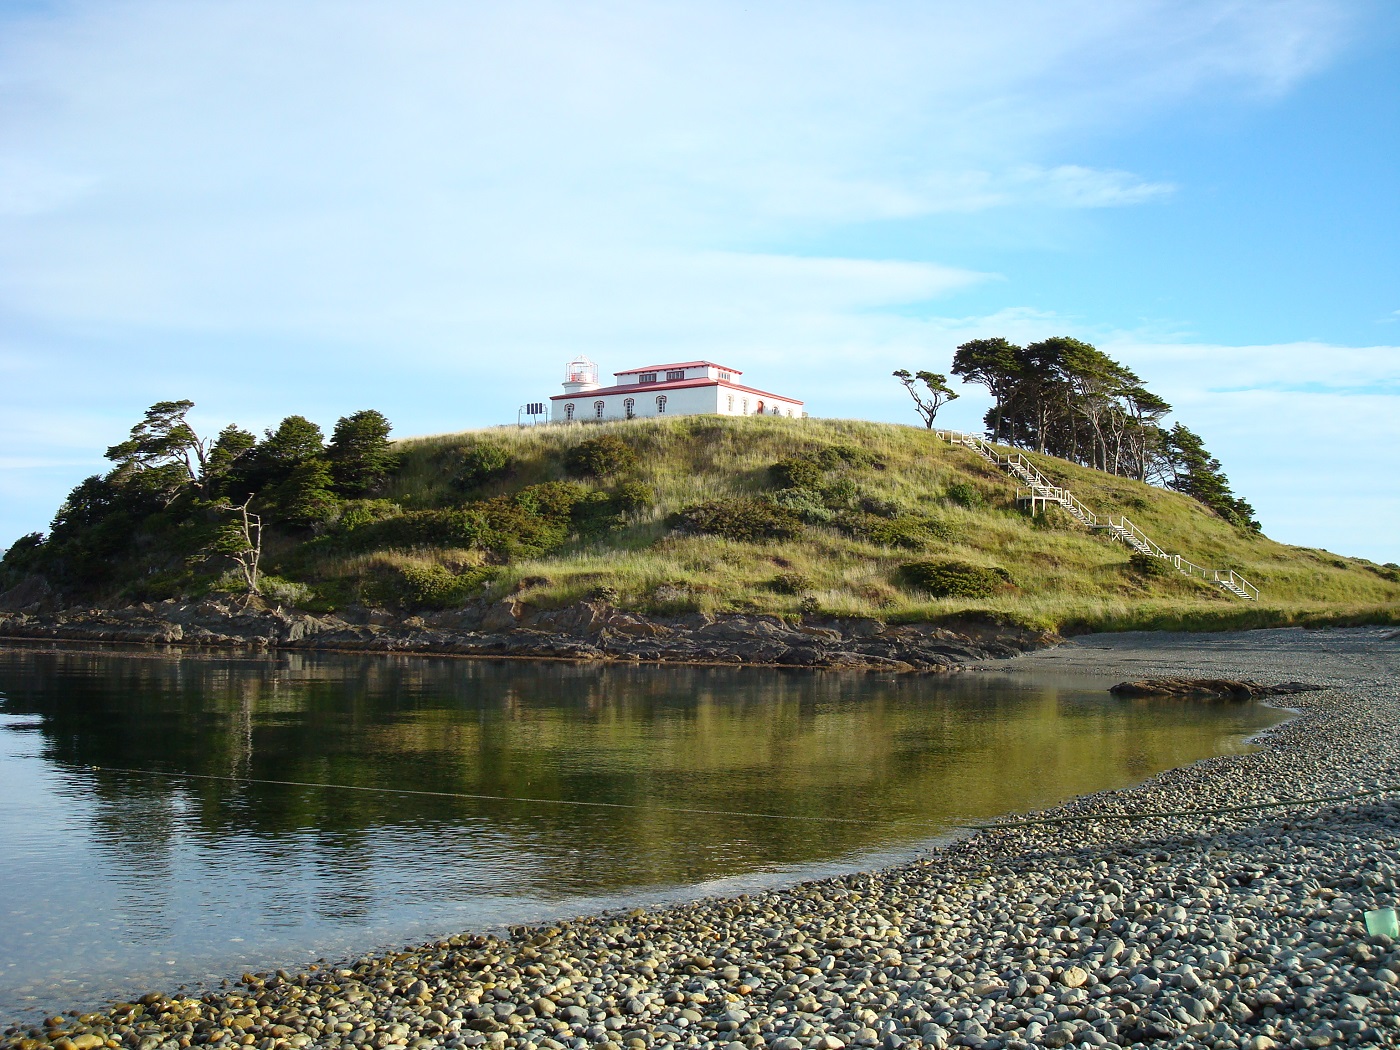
point(994, 364)
point(163, 453)
point(935, 395)
point(1065, 397)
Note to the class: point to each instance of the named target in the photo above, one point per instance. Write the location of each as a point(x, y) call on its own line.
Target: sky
point(429, 207)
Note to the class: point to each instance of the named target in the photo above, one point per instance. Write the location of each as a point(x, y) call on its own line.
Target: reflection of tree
point(864, 749)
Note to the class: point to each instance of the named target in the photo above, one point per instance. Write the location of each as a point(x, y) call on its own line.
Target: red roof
point(675, 384)
point(679, 364)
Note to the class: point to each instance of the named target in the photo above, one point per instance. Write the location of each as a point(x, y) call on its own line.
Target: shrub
point(946, 578)
point(287, 592)
point(806, 504)
point(459, 527)
point(797, 472)
point(790, 583)
point(357, 513)
point(965, 494)
point(840, 492)
point(833, 456)
point(600, 457)
point(433, 586)
point(742, 518)
point(632, 496)
point(477, 465)
point(906, 531)
point(1150, 565)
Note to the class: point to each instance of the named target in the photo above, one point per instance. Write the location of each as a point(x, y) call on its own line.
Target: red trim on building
point(680, 364)
point(632, 388)
point(676, 384)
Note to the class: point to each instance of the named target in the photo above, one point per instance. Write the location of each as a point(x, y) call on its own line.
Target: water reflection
point(156, 875)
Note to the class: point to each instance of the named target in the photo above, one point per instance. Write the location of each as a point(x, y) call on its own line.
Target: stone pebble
point(1236, 930)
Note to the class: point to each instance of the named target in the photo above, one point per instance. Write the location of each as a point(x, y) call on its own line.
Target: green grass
point(1064, 576)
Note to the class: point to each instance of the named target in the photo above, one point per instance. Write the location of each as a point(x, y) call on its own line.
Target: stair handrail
point(1042, 488)
point(1230, 578)
point(1140, 536)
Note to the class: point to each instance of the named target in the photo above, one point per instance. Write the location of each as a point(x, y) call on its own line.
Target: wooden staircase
point(1039, 491)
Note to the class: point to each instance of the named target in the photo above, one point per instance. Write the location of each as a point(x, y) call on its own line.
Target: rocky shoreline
point(1239, 929)
point(584, 631)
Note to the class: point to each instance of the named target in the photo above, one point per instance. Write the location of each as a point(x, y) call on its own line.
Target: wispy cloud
point(427, 206)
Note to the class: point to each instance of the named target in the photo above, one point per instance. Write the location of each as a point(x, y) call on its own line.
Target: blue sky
point(429, 207)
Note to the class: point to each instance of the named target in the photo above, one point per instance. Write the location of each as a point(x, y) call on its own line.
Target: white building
point(686, 388)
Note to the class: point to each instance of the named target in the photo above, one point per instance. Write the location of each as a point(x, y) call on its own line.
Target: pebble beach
point(1181, 928)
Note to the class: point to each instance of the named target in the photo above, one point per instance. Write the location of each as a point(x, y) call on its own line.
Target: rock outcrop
point(592, 630)
point(1208, 688)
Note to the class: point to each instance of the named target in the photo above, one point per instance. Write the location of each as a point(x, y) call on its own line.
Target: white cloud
point(427, 205)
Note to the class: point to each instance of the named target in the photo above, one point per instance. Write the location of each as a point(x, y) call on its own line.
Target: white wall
point(742, 403)
point(685, 401)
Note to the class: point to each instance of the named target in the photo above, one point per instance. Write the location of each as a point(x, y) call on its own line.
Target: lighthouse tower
point(581, 375)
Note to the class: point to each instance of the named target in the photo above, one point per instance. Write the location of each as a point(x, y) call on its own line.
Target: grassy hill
point(851, 509)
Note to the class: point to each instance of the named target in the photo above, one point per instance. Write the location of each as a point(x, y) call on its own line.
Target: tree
point(304, 497)
point(295, 440)
point(939, 393)
point(360, 453)
point(991, 363)
point(162, 438)
point(1194, 471)
point(230, 448)
point(241, 540)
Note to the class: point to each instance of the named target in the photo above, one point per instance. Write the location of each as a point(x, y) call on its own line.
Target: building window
point(569, 410)
point(660, 404)
point(731, 402)
point(597, 410)
point(746, 406)
point(647, 377)
point(674, 374)
point(725, 377)
point(630, 407)
point(760, 408)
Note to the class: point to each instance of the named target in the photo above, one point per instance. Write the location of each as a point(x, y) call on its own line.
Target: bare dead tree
point(241, 540)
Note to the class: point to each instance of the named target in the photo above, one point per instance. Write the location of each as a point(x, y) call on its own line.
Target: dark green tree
point(360, 453)
point(161, 439)
point(936, 392)
point(992, 363)
point(295, 485)
point(225, 458)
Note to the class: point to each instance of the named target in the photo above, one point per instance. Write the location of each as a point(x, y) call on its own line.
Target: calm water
point(119, 876)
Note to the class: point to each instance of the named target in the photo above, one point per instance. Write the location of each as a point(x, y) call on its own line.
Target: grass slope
point(1063, 576)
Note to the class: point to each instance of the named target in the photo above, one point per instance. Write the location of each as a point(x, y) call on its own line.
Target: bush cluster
point(476, 465)
point(947, 578)
point(790, 583)
point(435, 587)
point(600, 457)
point(744, 518)
point(965, 494)
point(906, 531)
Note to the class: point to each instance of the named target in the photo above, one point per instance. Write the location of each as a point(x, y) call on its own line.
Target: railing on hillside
point(1042, 490)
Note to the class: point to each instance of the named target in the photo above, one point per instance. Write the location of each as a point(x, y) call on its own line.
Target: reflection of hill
point(858, 748)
